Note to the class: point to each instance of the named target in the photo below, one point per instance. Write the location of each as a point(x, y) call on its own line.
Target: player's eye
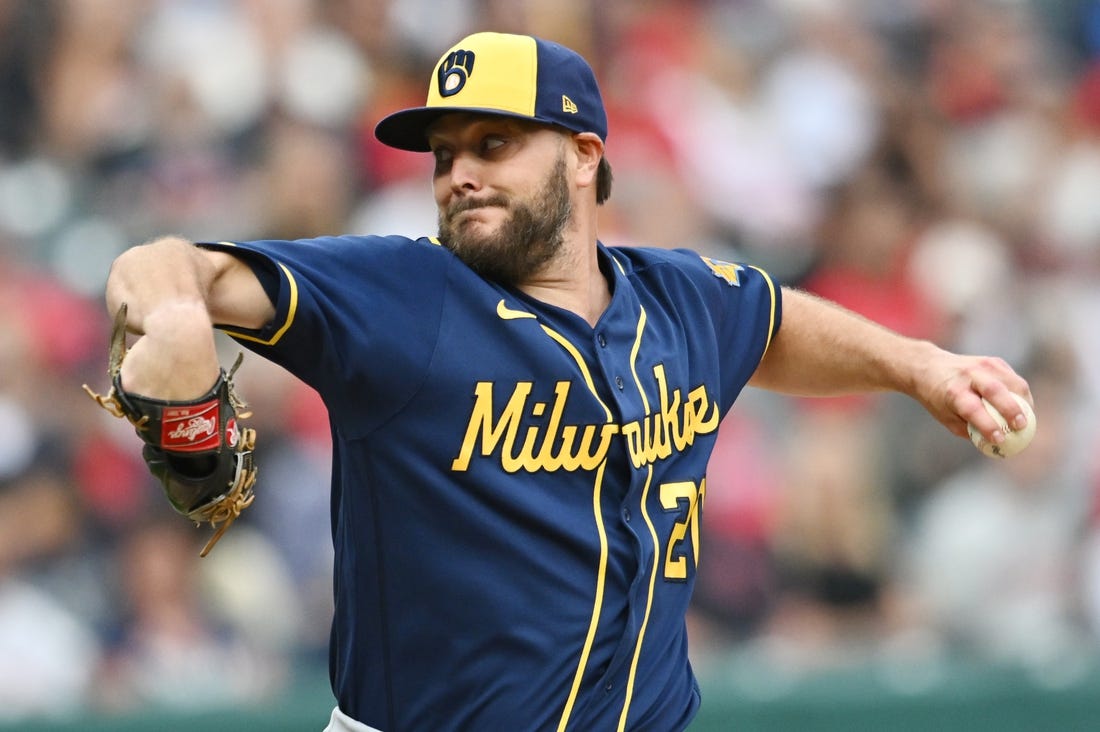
point(493, 143)
point(443, 158)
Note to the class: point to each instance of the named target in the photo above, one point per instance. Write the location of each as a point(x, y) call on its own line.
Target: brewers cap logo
point(454, 71)
point(518, 76)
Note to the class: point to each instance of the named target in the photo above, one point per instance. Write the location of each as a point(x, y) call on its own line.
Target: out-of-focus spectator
point(991, 564)
point(831, 540)
point(49, 652)
point(48, 655)
point(169, 648)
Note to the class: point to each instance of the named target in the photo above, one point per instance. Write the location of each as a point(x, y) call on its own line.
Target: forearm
point(822, 349)
point(166, 286)
point(164, 274)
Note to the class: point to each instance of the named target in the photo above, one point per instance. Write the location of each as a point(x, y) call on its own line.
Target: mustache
point(467, 204)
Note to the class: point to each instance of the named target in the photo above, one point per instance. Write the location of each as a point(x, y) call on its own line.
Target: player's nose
point(465, 173)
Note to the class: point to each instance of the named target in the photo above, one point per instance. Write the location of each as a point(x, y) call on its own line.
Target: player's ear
point(589, 151)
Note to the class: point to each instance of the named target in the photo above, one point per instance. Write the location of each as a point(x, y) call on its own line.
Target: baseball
point(1015, 441)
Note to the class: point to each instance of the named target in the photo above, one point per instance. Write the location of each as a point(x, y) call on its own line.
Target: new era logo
point(567, 105)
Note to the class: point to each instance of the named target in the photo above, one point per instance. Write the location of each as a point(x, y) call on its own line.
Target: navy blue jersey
point(516, 495)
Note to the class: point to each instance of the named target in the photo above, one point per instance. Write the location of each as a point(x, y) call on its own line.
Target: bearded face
point(530, 235)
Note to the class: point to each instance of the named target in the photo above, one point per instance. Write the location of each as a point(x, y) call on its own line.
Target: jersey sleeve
point(746, 309)
point(356, 318)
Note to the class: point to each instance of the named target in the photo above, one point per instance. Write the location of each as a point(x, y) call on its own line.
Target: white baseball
point(1015, 440)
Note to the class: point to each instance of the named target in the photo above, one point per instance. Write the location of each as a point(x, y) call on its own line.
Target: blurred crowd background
point(932, 164)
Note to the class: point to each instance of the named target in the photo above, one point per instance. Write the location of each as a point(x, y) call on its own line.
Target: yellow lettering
point(481, 422)
point(674, 427)
point(697, 518)
point(588, 457)
point(672, 496)
point(549, 447)
point(666, 422)
point(702, 423)
point(547, 459)
point(683, 497)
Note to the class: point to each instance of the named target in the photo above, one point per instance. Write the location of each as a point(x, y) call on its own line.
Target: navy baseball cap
point(505, 74)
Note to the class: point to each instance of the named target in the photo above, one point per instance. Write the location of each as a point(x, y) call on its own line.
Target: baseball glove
point(197, 449)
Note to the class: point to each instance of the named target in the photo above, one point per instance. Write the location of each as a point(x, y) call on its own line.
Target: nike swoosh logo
point(507, 313)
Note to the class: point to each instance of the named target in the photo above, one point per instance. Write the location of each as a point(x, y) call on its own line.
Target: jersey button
point(619, 382)
point(602, 340)
point(626, 515)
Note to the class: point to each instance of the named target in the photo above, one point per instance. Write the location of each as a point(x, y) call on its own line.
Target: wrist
point(184, 317)
point(177, 357)
point(918, 363)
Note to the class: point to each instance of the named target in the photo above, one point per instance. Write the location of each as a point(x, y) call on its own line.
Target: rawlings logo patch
point(192, 428)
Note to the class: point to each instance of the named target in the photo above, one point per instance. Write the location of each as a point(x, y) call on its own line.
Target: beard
point(524, 242)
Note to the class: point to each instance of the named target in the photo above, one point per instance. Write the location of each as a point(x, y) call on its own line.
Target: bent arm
point(822, 349)
point(173, 271)
point(174, 292)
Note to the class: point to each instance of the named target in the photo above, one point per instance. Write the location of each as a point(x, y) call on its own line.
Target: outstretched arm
point(174, 292)
point(822, 349)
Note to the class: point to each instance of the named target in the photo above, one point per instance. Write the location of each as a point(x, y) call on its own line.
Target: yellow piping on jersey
point(597, 606)
point(561, 340)
point(634, 359)
point(648, 604)
point(291, 312)
point(771, 321)
point(601, 575)
point(649, 523)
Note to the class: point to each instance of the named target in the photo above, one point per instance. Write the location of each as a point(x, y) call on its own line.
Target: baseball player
point(521, 416)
